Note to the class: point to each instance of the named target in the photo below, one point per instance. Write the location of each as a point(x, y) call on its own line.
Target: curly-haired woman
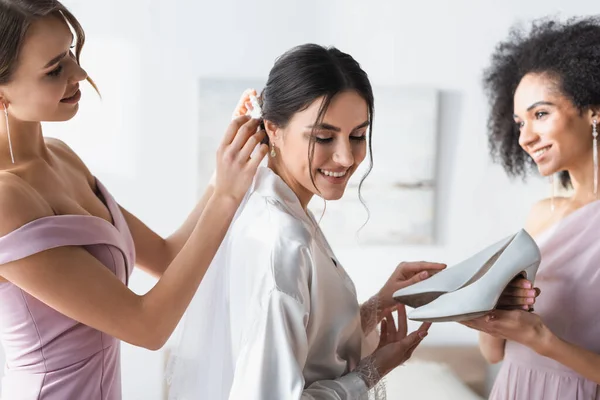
point(544, 91)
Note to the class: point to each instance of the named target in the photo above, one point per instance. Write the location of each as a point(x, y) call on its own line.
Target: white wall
point(149, 87)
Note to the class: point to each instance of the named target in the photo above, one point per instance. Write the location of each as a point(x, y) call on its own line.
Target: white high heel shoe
point(450, 279)
point(518, 255)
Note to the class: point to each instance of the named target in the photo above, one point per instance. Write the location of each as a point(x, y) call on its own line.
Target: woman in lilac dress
point(66, 247)
point(544, 89)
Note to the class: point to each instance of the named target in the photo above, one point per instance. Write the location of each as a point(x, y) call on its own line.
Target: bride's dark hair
point(306, 73)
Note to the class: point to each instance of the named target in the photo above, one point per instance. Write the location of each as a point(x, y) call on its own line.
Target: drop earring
point(552, 192)
point(273, 152)
point(12, 157)
point(595, 155)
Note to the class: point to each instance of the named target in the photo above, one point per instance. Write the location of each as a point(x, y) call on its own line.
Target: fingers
point(516, 301)
point(244, 133)
point(424, 328)
point(383, 335)
point(232, 130)
point(517, 291)
point(504, 315)
point(411, 349)
point(251, 144)
point(391, 327)
point(519, 294)
point(410, 342)
point(521, 282)
point(468, 324)
point(399, 351)
point(478, 323)
point(518, 307)
point(257, 157)
point(408, 269)
point(402, 322)
point(415, 279)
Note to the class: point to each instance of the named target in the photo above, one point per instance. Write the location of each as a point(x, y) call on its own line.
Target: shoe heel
point(530, 272)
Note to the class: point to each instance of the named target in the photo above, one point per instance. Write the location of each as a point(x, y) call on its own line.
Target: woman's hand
point(236, 164)
point(519, 326)
point(395, 346)
point(519, 294)
point(406, 274)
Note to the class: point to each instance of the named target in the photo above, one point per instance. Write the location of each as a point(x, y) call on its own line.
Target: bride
point(276, 316)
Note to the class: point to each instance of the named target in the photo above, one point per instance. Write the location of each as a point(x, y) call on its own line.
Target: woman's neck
point(303, 195)
point(582, 179)
point(26, 140)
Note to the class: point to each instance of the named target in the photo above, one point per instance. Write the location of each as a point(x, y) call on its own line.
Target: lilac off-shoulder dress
point(50, 356)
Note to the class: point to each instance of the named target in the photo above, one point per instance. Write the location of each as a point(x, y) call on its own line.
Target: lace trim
point(369, 317)
point(367, 371)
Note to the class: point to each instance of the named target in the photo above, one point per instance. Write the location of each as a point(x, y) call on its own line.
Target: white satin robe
point(289, 326)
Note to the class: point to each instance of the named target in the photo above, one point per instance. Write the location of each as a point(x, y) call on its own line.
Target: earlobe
point(272, 131)
point(4, 102)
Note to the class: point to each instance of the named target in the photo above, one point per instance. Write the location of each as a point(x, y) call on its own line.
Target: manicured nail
point(422, 334)
point(423, 275)
point(529, 301)
point(527, 285)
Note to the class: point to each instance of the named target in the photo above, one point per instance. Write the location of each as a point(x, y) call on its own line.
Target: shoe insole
point(420, 299)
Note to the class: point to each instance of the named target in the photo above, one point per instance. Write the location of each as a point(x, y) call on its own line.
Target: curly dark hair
point(569, 52)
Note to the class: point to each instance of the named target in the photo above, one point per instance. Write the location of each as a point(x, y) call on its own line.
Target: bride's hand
point(395, 346)
point(406, 274)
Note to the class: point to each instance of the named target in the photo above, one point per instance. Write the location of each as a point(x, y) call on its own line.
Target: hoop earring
point(12, 157)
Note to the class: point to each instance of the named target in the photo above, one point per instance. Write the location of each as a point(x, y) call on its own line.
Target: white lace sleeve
point(367, 371)
point(369, 314)
point(370, 317)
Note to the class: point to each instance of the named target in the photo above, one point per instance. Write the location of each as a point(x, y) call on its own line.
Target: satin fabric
point(276, 316)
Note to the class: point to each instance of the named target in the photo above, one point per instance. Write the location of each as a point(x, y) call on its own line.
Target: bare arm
point(492, 347)
point(74, 283)
point(95, 297)
point(529, 330)
point(154, 253)
point(580, 360)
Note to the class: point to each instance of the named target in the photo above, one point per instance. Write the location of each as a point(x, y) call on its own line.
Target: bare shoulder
point(66, 154)
point(19, 203)
point(541, 215)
